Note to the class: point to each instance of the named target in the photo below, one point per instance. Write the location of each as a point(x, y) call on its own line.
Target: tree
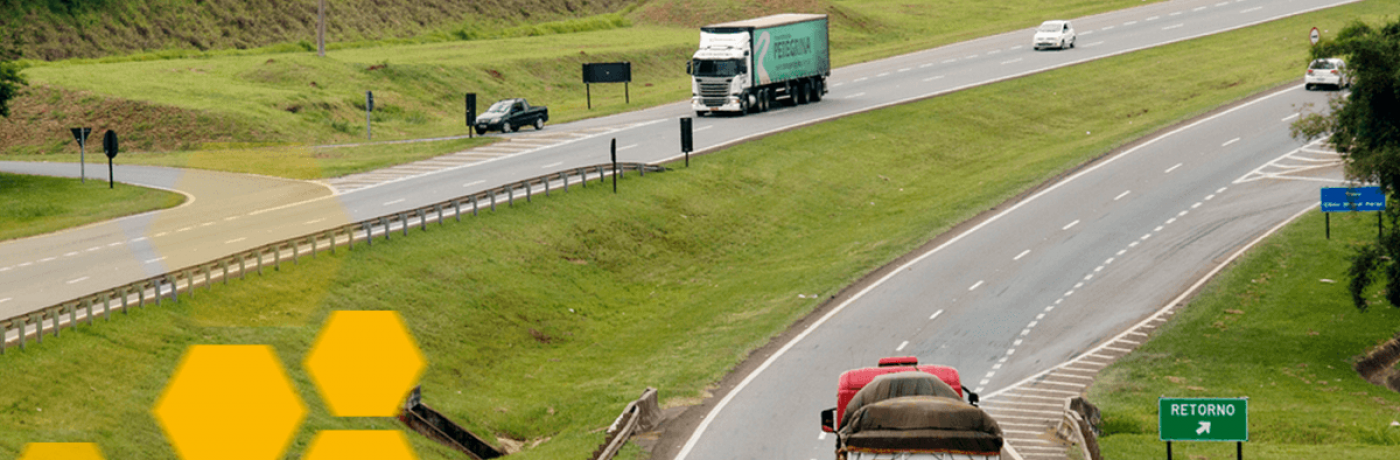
point(1364, 128)
point(10, 80)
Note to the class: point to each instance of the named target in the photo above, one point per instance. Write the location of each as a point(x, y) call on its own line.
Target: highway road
point(1020, 292)
point(1044, 280)
point(42, 271)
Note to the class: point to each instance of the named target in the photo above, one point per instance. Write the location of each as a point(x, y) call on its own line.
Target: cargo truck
point(903, 410)
point(746, 66)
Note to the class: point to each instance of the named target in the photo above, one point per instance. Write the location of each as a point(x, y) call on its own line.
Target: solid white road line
point(1022, 254)
point(1173, 168)
point(975, 285)
point(400, 200)
point(235, 240)
point(1231, 141)
point(1121, 195)
point(78, 280)
point(1070, 225)
point(552, 165)
point(935, 314)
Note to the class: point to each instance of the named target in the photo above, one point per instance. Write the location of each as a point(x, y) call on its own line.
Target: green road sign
point(1203, 419)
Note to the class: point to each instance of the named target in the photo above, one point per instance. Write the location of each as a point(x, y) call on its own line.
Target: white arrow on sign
point(1205, 428)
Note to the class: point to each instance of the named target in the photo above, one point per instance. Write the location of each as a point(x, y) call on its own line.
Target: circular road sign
point(1314, 36)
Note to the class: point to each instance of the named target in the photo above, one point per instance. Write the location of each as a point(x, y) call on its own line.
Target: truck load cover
point(915, 412)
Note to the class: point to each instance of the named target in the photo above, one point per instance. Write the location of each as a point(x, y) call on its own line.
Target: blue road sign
point(1342, 199)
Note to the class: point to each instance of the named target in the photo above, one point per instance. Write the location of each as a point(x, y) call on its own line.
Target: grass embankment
point(297, 98)
point(35, 205)
point(52, 30)
point(1279, 328)
point(540, 323)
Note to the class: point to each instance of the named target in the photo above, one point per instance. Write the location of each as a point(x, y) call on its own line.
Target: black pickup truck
point(508, 115)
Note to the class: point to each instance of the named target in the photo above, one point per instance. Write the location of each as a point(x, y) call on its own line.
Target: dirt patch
point(1378, 365)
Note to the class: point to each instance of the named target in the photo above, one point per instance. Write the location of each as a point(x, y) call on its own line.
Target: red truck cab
point(853, 380)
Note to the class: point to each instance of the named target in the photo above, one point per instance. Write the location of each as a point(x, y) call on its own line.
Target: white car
point(1330, 72)
point(1054, 34)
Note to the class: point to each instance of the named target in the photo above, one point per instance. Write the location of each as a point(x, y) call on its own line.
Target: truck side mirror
point(829, 420)
point(971, 397)
point(690, 67)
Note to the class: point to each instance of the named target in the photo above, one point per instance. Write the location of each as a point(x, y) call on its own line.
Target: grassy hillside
point(63, 29)
point(296, 97)
point(541, 322)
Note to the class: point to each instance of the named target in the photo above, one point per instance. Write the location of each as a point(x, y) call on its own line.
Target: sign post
point(607, 72)
point(81, 135)
point(1203, 419)
point(687, 139)
point(369, 107)
point(1353, 199)
point(470, 101)
point(109, 145)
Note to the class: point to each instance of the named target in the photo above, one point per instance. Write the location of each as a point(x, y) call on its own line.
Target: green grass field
point(298, 98)
point(1277, 327)
point(541, 322)
point(35, 205)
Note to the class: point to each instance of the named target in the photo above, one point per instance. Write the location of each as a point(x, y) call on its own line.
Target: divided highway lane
point(1044, 280)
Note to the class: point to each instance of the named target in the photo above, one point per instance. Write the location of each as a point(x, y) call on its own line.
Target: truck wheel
point(506, 128)
point(539, 124)
point(817, 92)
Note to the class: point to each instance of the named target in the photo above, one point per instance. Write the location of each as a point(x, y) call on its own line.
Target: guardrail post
point(22, 328)
point(106, 306)
point(442, 220)
point(546, 185)
point(260, 260)
point(403, 222)
point(474, 205)
point(57, 313)
point(277, 256)
point(141, 294)
point(125, 310)
point(642, 170)
point(208, 277)
point(602, 178)
point(384, 222)
point(72, 314)
point(174, 288)
point(493, 201)
point(87, 305)
point(189, 281)
point(38, 327)
point(4, 337)
point(422, 220)
point(331, 234)
point(242, 265)
point(510, 195)
point(565, 177)
point(296, 252)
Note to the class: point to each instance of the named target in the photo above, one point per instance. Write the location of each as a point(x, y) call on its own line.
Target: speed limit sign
point(1314, 36)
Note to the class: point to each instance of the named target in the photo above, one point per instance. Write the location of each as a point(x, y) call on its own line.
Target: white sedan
point(1054, 34)
point(1329, 72)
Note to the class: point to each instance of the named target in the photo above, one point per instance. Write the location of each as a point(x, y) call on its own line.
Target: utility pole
point(321, 29)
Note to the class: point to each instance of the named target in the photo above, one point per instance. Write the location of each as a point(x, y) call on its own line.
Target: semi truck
point(746, 66)
point(903, 410)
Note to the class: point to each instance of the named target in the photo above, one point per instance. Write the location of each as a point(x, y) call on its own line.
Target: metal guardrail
point(639, 416)
point(53, 319)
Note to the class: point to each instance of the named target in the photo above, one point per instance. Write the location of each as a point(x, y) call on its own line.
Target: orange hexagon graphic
point(229, 402)
point(60, 451)
point(364, 363)
point(364, 444)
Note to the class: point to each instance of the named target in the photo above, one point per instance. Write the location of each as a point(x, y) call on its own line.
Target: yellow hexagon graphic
point(364, 363)
point(60, 451)
point(229, 402)
point(363, 444)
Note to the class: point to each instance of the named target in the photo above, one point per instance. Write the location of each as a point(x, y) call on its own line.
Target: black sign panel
point(369, 100)
point(109, 144)
point(81, 134)
point(471, 109)
point(687, 138)
point(608, 72)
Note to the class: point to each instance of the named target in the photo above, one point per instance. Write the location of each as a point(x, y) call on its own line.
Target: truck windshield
point(727, 68)
point(499, 107)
